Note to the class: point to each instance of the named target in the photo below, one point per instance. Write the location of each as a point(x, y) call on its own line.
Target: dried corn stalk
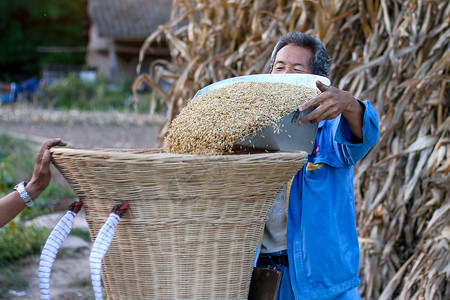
point(395, 53)
point(213, 122)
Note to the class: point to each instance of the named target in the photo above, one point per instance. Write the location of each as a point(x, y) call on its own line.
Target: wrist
point(33, 190)
point(20, 188)
point(354, 116)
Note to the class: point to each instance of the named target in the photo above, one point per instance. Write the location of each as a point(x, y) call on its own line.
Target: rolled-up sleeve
point(352, 152)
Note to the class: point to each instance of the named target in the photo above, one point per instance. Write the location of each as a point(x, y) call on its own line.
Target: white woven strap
point(50, 250)
point(101, 245)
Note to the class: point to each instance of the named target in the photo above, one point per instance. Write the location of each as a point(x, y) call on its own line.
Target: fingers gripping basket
point(194, 221)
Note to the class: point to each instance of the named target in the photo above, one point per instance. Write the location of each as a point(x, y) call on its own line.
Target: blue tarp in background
point(31, 86)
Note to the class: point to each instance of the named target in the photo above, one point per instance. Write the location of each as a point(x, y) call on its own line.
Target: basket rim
point(157, 153)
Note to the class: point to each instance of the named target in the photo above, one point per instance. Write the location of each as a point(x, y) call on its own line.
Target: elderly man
point(310, 235)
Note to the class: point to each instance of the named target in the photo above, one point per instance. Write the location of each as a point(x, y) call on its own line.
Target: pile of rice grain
point(213, 122)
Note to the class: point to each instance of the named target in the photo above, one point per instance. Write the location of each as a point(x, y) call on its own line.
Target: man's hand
point(41, 172)
point(330, 103)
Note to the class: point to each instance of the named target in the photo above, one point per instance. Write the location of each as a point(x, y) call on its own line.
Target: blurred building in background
point(118, 30)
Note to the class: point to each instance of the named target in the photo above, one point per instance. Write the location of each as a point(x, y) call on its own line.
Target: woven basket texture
point(194, 221)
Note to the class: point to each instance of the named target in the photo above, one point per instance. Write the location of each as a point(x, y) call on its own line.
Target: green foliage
point(81, 233)
point(75, 93)
point(26, 25)
point(17, 241)
point(16, 162)
point(10, 279)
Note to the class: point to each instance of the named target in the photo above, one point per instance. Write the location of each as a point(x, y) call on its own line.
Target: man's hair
point(320, 63)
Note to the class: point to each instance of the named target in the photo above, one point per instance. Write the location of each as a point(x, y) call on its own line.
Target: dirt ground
point(81, 129)
point(70, 273)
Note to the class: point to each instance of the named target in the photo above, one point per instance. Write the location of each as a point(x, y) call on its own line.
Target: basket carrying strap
point(51, 248)
point(100, 247)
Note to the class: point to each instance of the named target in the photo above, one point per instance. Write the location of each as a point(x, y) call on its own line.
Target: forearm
point(354, 115)
point(10, 206)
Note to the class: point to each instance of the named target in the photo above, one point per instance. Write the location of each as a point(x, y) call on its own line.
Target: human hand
point(330, 103)
point(41, 171)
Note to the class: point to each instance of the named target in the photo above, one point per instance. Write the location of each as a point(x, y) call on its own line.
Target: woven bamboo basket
point(194, 221)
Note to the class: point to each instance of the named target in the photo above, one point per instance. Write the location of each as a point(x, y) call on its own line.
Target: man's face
point(292, 59)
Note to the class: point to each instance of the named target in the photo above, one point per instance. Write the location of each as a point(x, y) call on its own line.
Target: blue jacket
point(322, 240)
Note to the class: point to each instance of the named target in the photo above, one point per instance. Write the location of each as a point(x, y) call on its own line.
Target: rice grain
point(213, 122)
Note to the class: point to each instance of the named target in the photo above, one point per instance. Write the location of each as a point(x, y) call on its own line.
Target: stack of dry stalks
point(395, 53)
